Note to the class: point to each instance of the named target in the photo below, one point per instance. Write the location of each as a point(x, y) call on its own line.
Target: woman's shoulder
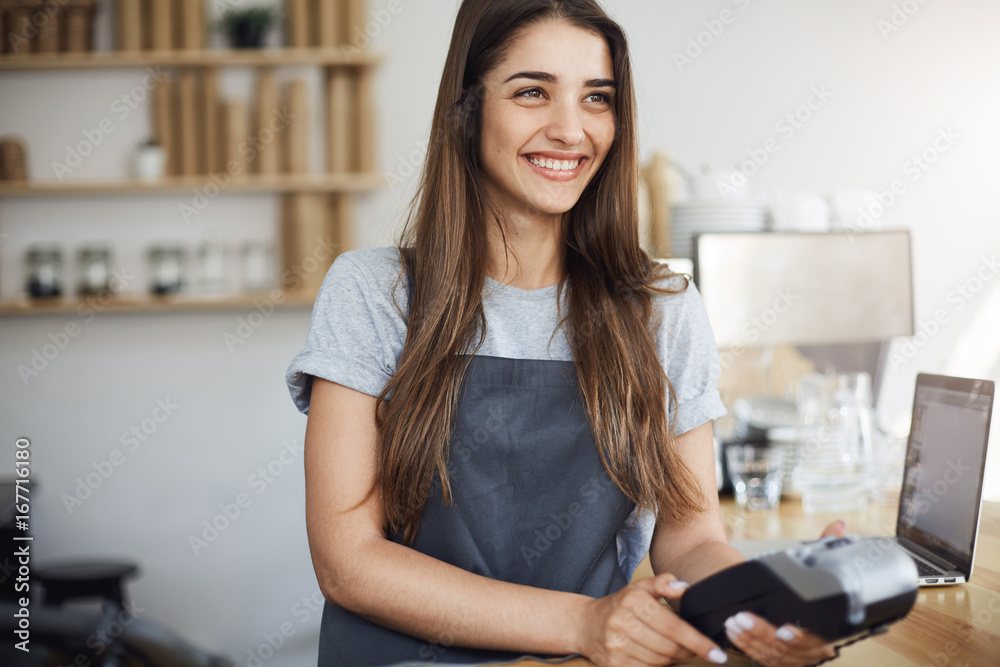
point(372, 271)
point(378, 263)
point(682, 294)
point(357, 328)
point(365, 284)
point(679, 317)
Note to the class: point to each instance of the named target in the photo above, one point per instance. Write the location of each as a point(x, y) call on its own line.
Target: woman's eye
point(600, 98)
point(531, 93)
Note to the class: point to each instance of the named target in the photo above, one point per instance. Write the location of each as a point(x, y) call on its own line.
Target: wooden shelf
point(146, 304)
point(342, 57)
point(182, 105)
point(248, 183)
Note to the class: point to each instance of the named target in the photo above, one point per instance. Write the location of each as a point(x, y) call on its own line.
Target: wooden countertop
point(950, 626)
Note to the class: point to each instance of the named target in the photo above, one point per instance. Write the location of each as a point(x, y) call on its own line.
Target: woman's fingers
point(786, 646)
point(644, 619)
point(655, 628)
point(668, 624)
point(835, 529)
point(687, 637)
point(663, 586)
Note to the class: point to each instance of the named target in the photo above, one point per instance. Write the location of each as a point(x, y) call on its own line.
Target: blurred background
point(169, 206)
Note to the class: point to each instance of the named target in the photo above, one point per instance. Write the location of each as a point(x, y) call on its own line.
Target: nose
point(565, 124)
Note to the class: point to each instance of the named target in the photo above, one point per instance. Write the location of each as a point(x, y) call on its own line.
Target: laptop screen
point(945, 460)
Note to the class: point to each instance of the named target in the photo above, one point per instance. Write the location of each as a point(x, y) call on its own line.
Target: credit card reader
point(837, 587)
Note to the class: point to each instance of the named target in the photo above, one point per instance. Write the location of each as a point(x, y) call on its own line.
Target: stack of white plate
point(702, 217)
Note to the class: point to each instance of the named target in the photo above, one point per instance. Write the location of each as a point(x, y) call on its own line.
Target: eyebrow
point(551, 78)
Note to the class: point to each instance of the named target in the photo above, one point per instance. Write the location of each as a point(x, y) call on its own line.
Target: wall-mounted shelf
point(332, 57)
point(268, 183)
point(204, 133)
point(138, 303)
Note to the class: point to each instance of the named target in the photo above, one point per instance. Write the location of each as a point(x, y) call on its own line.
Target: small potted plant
point(247, 27)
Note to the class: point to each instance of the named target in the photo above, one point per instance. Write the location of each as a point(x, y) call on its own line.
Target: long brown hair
point(608, 278)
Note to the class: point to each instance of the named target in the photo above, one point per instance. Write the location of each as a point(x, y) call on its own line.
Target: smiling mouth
point(555, 170)
point(555, 165)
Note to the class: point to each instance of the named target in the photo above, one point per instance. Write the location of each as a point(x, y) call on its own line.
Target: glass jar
point(835, 471)
point(44, 269)
point(94, 270)
point(257, 266)
point(166, 269)
point(212, 265)
point(891, 440)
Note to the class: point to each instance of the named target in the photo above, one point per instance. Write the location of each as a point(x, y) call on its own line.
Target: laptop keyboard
point(925, 570)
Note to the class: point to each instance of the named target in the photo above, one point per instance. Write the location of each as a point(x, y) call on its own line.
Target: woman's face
point(548, 118)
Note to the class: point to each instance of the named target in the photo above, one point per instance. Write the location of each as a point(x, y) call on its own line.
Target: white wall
point(889, 97)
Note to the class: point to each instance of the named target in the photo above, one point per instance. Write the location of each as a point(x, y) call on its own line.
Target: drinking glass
point(756, 472)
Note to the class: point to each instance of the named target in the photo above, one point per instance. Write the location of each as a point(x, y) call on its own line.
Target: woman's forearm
point(413, 593)
point(699, 562)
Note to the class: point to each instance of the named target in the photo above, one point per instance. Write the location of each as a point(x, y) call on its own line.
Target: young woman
point(511, 409)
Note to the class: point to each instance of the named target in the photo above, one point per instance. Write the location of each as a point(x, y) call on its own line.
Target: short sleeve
point(690, 357)
point(357, 327)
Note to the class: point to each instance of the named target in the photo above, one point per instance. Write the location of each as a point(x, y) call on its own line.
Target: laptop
point(938, 518)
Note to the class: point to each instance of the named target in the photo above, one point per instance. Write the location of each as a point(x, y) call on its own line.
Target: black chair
point(85, 579)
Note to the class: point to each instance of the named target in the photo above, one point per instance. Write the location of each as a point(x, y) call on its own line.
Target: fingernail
point(784, 633)
point(679, 585)
point(745, 620)
point(732, 626)
point(717, 656)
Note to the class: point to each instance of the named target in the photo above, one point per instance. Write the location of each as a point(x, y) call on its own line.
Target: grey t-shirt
point(359, 324)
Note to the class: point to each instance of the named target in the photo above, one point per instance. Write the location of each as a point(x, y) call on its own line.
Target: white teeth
point(555, 165)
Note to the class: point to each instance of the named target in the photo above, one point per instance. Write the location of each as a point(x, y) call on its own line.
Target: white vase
point(150, 162)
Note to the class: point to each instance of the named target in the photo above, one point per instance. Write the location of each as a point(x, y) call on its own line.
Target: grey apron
point(532, 505)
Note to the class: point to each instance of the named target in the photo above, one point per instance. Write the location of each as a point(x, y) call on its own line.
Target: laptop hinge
point(926, 554)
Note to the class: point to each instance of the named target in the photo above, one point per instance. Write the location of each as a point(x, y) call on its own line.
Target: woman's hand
point(631, 628)
point(786, 646)
point(835, 529)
